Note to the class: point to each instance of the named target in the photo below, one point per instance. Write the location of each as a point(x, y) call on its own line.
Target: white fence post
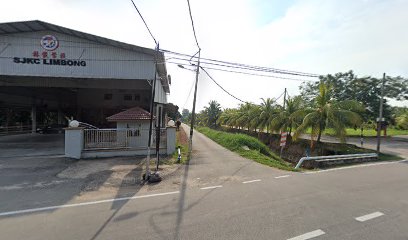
point(171, 140)
point(74, 142)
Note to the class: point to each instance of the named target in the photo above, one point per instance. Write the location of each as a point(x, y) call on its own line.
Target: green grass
point(258, 151)
point(367, 132)
point(389, 157)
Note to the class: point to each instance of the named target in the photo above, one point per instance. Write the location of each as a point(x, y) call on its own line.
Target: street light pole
point(380, 116)
point(190, 143)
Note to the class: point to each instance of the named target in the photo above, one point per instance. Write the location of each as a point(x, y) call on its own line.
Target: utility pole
point(190, 143)
point(284, 105)
point(379, 124)
point(153, 91)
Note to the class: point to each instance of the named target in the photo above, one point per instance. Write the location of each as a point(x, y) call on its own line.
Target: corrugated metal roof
point(36, 25)
point(135, 113)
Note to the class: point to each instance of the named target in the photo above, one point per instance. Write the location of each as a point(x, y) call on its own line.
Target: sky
point(317, 36)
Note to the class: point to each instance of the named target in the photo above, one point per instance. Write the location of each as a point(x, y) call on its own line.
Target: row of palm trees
point(297, 117)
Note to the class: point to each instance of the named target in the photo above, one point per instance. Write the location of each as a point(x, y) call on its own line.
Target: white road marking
point(283, 176)
point(309, 235)
point(355, 166)
point(32, 210)
point(251, 181)
point(212, 187)
point(369, 216)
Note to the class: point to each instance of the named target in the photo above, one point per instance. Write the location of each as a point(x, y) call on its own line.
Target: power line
point(274, 99)
point(239, 67)
point(277, 70)
point(189, 93)
point(192, 23)
point(248, 73)
point(222, 87)
point(144, 22)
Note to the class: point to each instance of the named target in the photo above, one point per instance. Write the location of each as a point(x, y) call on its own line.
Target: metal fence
point(16, 129)
point(121, 138)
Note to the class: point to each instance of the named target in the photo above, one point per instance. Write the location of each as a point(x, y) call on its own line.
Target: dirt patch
point(182, 136)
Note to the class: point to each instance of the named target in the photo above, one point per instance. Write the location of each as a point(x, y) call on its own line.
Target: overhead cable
point(154, 39)
point(277, 70)
point(247, 73)
point(192, 23)
point(221, 86)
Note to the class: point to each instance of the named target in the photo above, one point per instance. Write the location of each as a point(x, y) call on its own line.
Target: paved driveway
point(24, 145)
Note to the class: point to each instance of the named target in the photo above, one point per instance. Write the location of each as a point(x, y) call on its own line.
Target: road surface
point(223, 196)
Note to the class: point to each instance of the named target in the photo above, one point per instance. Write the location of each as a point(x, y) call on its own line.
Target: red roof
point(135, 113)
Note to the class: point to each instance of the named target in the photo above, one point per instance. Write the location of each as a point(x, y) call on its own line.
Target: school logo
point(49, 42)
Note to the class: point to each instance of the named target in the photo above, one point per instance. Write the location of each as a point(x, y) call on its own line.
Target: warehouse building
point(49, 73)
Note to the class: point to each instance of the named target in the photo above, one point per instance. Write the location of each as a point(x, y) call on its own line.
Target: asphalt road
point(223, 196)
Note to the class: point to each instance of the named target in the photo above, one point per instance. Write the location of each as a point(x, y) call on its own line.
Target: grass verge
point(247, 147)
point(389, 157)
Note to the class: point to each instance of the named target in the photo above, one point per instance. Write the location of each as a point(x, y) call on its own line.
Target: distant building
point(54, 72)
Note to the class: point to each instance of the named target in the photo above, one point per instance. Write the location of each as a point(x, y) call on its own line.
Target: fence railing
point(336, 157)
point(121, 138)
point(16, 129)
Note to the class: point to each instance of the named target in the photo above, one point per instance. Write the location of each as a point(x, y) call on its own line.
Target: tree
point(286, 120)
point(367, 90)
point(185, 115)
point(172, 111)
point(212, 112)
point(246, 116)
point(329, 113)
point(267, 113)
point(401, 119)
point(229, 117)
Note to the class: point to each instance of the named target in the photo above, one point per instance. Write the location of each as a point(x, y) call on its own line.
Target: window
point(127, 97)
point(137, 97)
point(107, 96)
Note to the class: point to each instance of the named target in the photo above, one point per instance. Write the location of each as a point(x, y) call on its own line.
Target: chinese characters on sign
point(44, 54)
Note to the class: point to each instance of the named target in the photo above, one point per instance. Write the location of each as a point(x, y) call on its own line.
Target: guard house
point(52, 72)
point(134, 123)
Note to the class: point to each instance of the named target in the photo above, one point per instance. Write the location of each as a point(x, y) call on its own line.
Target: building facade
point(50, 73)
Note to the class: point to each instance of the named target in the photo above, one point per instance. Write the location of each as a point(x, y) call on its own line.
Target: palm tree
point(327, 113)
point(286, 120)
point(267, 113)
point(212, 112)
point(246, 116)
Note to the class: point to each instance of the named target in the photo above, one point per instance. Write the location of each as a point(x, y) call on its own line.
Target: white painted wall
point(102, 61)
point(142, 127)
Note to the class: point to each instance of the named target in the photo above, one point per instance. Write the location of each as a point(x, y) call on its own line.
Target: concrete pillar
point(171, 140)
point(74, 142)
point(33, 119)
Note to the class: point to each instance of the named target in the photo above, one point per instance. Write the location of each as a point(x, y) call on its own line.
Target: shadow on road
point(181, 209)
point(135, 175)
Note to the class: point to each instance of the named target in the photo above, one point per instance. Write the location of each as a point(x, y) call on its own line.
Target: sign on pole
point(283, 139)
